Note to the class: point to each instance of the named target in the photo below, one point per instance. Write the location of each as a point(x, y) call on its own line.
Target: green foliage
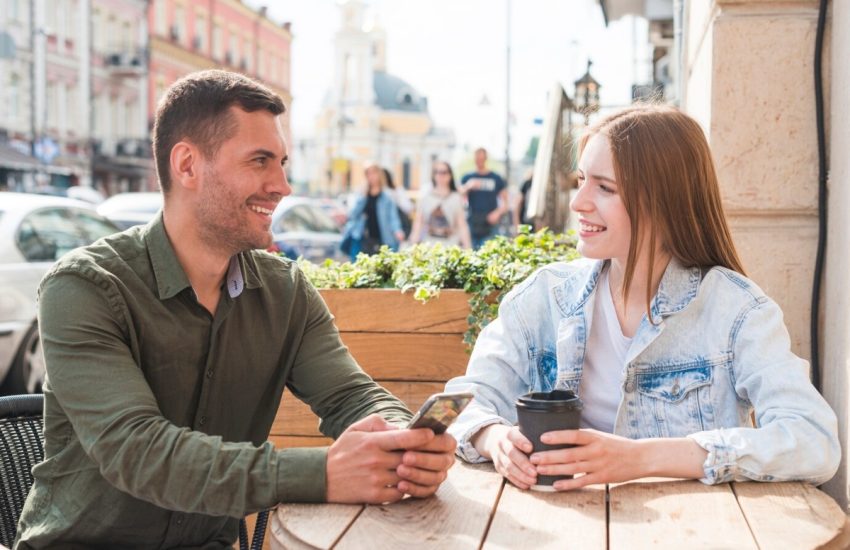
point(486, 274)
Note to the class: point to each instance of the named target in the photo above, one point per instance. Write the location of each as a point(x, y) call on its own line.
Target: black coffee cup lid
point(556, 400)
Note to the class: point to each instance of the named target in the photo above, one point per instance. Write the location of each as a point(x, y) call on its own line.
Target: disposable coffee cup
point(541, 412)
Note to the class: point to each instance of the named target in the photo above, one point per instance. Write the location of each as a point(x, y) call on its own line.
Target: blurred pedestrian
point(402, 202)
point(487, 198)
point(440, 215)
point(374, 219)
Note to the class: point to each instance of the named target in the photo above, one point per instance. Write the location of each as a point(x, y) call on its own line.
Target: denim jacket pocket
point(675, 399)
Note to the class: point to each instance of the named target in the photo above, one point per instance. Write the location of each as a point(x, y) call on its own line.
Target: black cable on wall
point(822, 196)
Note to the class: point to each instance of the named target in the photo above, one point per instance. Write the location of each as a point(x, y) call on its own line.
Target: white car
point(35, 230)
point(129, 209)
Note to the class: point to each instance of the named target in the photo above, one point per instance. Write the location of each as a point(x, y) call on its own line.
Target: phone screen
point(440, 410)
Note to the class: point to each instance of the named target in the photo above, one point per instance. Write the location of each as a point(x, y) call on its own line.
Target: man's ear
point(186, 161)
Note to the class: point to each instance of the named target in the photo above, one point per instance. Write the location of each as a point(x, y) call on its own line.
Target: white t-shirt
point(604, 362)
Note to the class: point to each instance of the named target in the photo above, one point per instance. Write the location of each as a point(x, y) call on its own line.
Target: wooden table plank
point(314, 526)
point(675, 514)
point(574, 519)
point(456, 517)
point(791, 515)
point(388, 310)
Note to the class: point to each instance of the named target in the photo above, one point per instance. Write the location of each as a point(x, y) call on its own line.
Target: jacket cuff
point(465, 449)
point(302, 474)
point(721, 463)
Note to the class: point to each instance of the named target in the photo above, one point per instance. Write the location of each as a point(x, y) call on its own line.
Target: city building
point(121, 152)
point(193, 35)
point(370, 115)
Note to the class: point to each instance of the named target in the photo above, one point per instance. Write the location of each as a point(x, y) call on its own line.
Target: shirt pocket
point(675, 399)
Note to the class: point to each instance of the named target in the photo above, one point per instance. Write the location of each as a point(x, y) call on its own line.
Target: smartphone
point(440, 410)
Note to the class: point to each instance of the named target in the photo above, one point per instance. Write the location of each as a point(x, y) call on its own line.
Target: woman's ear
point(185, 165)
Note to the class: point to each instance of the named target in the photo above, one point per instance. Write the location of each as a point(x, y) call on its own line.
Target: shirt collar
point(170, 277)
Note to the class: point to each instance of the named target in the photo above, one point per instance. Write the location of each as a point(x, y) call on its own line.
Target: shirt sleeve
point(117, 421)
point(329, 380)
point(796, 437)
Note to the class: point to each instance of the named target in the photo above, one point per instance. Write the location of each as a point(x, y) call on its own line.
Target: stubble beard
point(221, 223)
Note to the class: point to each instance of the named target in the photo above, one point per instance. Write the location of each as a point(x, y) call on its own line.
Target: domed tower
point(372, 115)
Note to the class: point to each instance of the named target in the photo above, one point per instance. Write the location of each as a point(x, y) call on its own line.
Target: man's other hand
point(364, 463)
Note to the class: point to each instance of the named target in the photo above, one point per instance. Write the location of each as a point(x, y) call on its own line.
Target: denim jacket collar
point(678, 287)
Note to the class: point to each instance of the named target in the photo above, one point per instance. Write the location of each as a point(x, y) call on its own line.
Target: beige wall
point(836, 305)
point(748, 80)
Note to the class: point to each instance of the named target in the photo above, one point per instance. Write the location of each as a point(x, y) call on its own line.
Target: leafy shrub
point(486, 274)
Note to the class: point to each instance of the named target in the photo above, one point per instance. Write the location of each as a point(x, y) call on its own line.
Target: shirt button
point(630, 385)
point(203, 419)
point(675, 389)
point(209, 373)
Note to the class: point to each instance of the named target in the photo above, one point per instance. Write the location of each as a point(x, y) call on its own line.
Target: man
point(487, 197)
point(168, 347)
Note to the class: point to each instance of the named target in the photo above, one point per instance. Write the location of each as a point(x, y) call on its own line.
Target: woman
point(440, 214)
point(401, 200)
point(373, 220)
point(669, 345)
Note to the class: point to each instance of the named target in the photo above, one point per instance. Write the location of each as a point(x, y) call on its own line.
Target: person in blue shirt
point(683, 364)
point(487, 199)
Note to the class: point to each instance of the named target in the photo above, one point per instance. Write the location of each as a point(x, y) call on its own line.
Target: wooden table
point(475, 509)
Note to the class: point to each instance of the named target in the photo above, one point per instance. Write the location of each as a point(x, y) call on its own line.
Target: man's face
point(243, 183)
point(481, 159)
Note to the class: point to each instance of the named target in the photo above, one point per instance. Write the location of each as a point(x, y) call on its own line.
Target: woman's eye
point(605, 188)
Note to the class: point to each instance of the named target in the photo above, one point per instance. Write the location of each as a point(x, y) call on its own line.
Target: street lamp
point(587, 94)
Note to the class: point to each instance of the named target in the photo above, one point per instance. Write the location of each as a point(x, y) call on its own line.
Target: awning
point(15, 160)
point(12, 159)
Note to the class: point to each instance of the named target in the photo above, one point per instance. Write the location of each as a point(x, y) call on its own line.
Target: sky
point(454, 53)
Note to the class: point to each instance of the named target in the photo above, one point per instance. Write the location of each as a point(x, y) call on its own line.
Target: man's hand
point(608, 458)
point(424, 468)
point(363, 462)
point(508, 449)
point(494, 216)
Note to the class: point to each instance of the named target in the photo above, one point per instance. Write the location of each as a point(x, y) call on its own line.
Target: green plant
point(486, 274)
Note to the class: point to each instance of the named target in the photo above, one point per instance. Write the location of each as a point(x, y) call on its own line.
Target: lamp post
point(586, 94)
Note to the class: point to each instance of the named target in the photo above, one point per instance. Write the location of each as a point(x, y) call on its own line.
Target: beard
point(221, 216)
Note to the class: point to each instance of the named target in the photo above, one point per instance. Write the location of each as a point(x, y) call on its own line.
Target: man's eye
point(261, 161)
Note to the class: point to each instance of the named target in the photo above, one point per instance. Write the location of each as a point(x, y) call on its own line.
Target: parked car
point(129, 209)
point(301, 228)
point(35, 231)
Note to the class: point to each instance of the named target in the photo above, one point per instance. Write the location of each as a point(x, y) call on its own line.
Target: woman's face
point(373, 177)
point(604, 226)
point(442, 176)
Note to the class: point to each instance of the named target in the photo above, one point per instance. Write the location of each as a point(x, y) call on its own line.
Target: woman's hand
point(608, 458)
point(508, 449)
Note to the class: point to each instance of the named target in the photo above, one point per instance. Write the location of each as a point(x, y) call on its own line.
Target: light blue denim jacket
point(388, 220)
point(718, 350)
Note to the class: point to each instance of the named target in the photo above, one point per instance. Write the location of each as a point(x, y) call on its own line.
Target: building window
point(405, 173)
point(161, 17)
point(200, 39)
point(177, 29)
point(217, 42)
point(233, 50)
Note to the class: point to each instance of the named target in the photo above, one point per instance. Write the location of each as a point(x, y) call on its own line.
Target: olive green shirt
point(157, 413)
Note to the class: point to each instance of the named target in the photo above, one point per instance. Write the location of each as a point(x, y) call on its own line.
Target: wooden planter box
point(410, 348)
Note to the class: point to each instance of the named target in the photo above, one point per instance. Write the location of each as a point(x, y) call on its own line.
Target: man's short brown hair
point(197, 108)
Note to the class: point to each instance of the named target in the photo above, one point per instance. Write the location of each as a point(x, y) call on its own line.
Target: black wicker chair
point(22, 447)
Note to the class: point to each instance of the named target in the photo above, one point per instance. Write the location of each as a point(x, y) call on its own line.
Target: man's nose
point(280, 184)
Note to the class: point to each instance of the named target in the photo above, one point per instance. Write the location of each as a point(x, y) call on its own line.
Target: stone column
point(836, 289)
point(749, 80)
